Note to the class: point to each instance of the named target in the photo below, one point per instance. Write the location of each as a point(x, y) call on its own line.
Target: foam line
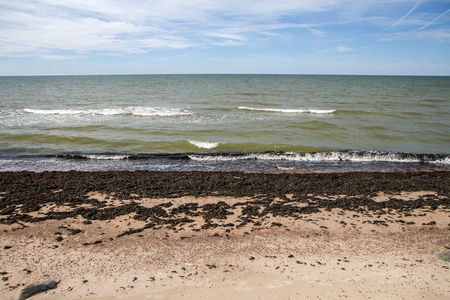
point(290, 110)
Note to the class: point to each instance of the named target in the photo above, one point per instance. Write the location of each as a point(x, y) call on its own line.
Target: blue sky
point(374, 37)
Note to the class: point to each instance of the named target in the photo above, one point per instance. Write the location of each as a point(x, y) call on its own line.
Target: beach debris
point(32, 289)
point(445, 256)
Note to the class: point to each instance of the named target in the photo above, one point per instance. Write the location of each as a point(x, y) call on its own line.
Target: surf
point(289, 110)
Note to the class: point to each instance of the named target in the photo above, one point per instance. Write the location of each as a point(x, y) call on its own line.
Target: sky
point(362, 37)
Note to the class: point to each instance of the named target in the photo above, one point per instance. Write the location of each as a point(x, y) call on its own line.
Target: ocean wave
point(331, 161)
point(107, 156)
point(331, 156)
point(111, 111)
point(313, 157)
point(290, 110)
point(99, 156)
point(204, 145)
point(121, 156)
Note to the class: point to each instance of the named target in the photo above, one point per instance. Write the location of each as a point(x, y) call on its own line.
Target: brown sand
point(348, 251)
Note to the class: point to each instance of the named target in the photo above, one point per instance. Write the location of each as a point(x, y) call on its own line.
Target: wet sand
point(200, 235)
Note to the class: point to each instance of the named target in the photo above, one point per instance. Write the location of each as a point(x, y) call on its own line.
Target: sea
point(244, 123)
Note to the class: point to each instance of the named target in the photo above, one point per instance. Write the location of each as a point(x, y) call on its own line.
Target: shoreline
point(333, 161)
point(202, 235)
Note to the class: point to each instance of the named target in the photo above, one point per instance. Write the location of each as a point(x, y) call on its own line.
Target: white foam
point(53, 111)
point(204, 145)
point(332, 156)
point(136, 111)
point(106, 156)
point(290, 110)
point(285, 169)
point(444, 161)
point(159, 111)
point(107, 111)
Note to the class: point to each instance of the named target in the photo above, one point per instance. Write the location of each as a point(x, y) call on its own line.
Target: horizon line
point(170, 74)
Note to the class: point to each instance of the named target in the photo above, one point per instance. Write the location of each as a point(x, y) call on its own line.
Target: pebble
point(445, 256)
point(32, 289)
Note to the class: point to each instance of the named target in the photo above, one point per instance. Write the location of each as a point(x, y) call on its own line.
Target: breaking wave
point(331, 156)
point(204, 145)
point(106, 156)
point(111, 111)
point(332, 161)
point(290, 110)
point(328, 156)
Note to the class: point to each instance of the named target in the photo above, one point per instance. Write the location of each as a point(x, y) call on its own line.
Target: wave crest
point(331, 156)
point(111, 111)
point(290, 110)
point(204, 145)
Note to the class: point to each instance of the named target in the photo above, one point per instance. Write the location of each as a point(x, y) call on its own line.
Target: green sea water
point(45, 115)
point(250, 113)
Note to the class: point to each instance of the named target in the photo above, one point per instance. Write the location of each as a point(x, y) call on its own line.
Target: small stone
point(445, 256)
point(7, 247)
point(32, 289)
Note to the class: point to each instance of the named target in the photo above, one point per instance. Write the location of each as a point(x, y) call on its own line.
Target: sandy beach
point(207, 235)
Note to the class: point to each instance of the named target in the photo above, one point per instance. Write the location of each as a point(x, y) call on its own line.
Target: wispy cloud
point(416, 5)
point(436, 34)
point(40, 26)
point(74, 29)
point(58, 57)
point(317, 32)
point(434, 20)
point(344, 49)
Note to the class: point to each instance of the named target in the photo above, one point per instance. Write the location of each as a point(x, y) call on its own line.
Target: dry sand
point(329, 254)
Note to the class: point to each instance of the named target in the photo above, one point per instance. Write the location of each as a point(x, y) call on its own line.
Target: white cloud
point(434, 20)
point(45, 28)
point(317, 32)
point(228, 36)
point(416, 5)
point(58, 57)
point(344, 49)
point(436, 34)
point(161, 43)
